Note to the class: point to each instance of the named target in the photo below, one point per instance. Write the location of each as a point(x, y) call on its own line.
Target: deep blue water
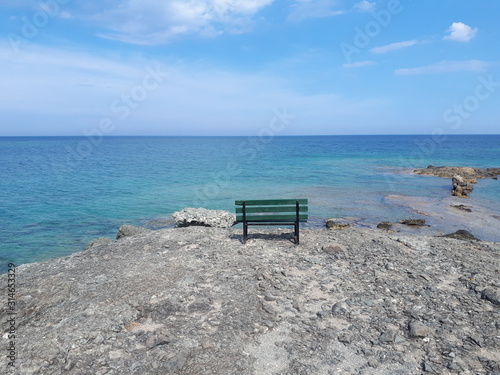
point(58, 193)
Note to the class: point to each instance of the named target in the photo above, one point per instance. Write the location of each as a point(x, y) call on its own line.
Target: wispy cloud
point(460, 32)
point(304, 9)
point(358, 64)
point(447, 67)
point(394, 46)
point(152, 22)
point(364, 6)
point(192, 99)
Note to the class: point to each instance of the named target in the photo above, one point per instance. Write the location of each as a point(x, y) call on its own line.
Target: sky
point(249, 67)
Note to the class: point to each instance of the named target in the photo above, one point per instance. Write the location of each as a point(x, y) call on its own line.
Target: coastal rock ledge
point(193, 301)
point(203, 217)
point(465, 172)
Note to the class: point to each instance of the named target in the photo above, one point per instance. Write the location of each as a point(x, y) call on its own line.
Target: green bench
point(271, 212)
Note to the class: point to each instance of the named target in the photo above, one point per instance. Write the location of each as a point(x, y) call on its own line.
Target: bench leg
point(297, 239)
point(245, 232)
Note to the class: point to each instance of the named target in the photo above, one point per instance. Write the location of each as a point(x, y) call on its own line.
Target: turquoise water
point(58, 193)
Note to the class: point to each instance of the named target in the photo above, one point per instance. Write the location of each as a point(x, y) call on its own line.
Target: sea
point(59, 193)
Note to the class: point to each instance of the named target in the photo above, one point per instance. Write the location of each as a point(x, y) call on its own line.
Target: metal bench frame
point(272, 212)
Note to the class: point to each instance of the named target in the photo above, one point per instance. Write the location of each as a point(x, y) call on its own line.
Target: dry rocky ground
point(197, 301)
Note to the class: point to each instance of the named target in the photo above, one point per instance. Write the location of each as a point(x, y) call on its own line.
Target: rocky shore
point(466, 172)
point(195, 300)
point(463, 178)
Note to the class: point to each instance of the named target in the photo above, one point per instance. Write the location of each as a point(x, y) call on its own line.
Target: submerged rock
point(203, 217)
point(414, 222)
point(462, 207)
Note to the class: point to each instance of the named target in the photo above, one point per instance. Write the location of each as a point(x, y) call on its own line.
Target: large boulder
point(203, 217)
point(462, 187)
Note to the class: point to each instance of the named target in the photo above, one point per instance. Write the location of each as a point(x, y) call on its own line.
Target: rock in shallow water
point(386, 225)
point(462, 187)
point(414, 222)
point(337, 224)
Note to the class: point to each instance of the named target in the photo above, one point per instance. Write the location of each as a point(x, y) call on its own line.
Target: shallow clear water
point(58, 193)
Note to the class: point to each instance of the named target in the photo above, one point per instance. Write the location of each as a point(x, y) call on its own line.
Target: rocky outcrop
point(130, 230)
point(203, 217)
point(462, 187)
point(465, 172)
point(197, 301)
point(463, 178)
point(463, 235)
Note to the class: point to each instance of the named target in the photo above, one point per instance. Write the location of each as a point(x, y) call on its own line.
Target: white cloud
point(304, 9)
point(447, 67)
point(358, 64)
point(460, 32)
point(393, 46)
point(364, 6)
point(158, 21)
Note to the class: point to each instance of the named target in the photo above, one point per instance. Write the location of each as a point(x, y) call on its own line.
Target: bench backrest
point(271, 210)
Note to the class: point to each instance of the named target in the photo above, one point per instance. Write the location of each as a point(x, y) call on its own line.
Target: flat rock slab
point(197, 301)
point(203, 217)
point(466, 172)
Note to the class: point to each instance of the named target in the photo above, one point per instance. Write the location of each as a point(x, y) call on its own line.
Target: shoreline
point(165, 301)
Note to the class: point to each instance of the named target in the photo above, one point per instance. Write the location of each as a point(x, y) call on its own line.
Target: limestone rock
point(462, 187)
point(419, 329)
point(466, 172)
point(386, 225)
point(337, 224)
point(197, 301)
point(203, 217)
point(99, 242)
point(489, 294)
point(334, 248)
point(130, 230)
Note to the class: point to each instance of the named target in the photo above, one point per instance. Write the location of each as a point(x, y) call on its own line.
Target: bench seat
point(272, 212)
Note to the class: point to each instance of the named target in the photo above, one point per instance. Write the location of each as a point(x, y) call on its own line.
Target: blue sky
point(235, 67)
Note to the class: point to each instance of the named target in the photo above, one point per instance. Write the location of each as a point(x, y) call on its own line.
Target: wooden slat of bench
point(271, 202)
point(254, 209)
point(262, 218)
